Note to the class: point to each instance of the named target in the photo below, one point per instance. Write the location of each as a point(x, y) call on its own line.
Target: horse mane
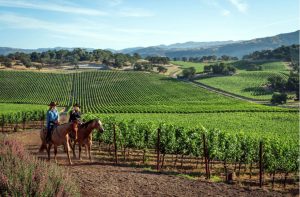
point(85, 125)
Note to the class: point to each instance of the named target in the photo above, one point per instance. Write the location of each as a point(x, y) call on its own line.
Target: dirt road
point(100, 178)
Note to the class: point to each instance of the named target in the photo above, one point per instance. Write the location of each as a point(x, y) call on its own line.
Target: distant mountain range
point(195, 49)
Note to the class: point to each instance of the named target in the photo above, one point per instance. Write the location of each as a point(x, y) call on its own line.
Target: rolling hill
point(194, 49)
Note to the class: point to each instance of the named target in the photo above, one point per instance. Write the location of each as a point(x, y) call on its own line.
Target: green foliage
point(282, 53)
point(7, 62)
point(279, 98)
point(189, 73)
point(57, 57)
point(250, 84)
point(221, 68)
point(279, 154)
point(34, 88)
point(158, 60)
point(198, 66)
point(277, 82)
point(162, 69)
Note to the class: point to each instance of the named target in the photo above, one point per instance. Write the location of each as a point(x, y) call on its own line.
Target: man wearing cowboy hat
point(52, 119)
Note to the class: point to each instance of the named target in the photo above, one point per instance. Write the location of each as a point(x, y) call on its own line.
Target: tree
point(137, 56)
point(26, 62)
point(207, 69)
point(279, 98)
point(138, 67)
point(162, 69)
point(7, 62)
point(293, 84)
point(39, 66)
point(35, 56)
point(277, 82)
point(189, 73)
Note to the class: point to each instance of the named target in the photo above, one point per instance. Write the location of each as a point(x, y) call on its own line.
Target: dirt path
point(99, 178)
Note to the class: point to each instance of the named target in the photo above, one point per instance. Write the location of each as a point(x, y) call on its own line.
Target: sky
point(119, 24)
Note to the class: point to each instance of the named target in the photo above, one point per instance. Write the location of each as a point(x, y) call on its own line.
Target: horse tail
point(43, 138)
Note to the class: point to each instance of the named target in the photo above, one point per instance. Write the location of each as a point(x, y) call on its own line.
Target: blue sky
point(120, 24)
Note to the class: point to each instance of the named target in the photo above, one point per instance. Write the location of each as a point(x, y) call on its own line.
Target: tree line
point(208, 58)
point(285, 53)
point(58, 57)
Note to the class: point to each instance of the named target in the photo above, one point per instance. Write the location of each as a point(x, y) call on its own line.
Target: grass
point(216, 179)
point(186, 176)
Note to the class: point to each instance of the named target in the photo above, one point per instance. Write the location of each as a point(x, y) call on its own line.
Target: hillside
point(192, 49)
point(237, 49)
point(113, 91)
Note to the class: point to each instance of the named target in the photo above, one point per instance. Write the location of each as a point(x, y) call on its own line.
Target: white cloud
point(56, 7)
point(70, 29)
point(135, 12)
point(240, 5)
point(226, 12)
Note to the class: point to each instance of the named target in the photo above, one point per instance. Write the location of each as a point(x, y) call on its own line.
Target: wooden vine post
point(158, 149)
point(205, 157)
point(260, 164)
point(115, 144)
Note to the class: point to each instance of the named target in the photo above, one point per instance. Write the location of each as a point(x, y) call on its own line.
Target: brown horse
point(84, 136)
point(59, 137)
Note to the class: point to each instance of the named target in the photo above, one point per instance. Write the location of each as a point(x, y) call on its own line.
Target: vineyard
point(117, 92)
point(250, 84)
point(182, 124)
point(34, 88)
point(234, 151)
point(198, 66)
point(282, 124)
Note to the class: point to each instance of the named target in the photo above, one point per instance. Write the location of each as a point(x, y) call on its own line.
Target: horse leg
point(86, 150)
point(55, 153)
point(68, 152)
point(48, 151)
point(89, 149)
point(79, 151)
point(73, 147)
point(43, 147)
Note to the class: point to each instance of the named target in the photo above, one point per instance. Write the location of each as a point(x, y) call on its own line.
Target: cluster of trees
point(205, 58)
point(281, 86)
point(285, 53)
point(143, 67)
point(57, 57)
point(189, 73)
point(158, 60)
point(220, 68)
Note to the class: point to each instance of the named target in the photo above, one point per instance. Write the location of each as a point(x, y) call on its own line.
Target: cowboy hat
point(53, 104)
point(76, 105)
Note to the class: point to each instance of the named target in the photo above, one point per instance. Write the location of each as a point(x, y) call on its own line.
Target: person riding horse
point(52, 119)
point(75, 112)
point(75, 115)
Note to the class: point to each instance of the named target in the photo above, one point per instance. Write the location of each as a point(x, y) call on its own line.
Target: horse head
point(99, 126)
